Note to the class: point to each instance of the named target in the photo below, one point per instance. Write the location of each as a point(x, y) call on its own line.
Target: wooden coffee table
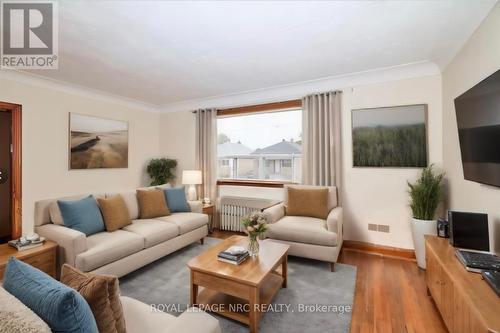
point(239, 292)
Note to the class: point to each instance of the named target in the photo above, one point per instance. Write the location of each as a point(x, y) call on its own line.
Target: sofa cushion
point(140, 318)
point(153, 231)
point(186, 222)
point(61, 307)
point(106, 247)
point(115, 213)
point(94, 289)
point(302, 229)
point(152, 204)
point(130, 198)
point(15, 317)
point(311, 202)
point(82, 215)
point(176, 200)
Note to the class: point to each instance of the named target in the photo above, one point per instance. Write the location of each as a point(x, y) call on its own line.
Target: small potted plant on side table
point(255, 225)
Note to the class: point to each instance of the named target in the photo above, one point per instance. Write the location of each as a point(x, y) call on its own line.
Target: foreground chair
point(308, 237)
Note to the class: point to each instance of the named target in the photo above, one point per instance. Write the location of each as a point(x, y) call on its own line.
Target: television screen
point(478, 119)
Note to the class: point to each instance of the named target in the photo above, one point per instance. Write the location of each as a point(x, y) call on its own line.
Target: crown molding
point(300, 89)
point(74, 89)
point(265, 95)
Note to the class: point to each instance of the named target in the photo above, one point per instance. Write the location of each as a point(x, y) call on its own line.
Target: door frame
point(16, 165)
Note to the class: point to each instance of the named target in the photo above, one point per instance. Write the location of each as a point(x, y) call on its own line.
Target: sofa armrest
point(196, 206)
point(275, 213)
point(71, 242)
point(195, 320)
point(334, 221)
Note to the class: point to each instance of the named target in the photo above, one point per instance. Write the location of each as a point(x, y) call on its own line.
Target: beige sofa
point(139, 318)
point(308, 237)
point(123, 251)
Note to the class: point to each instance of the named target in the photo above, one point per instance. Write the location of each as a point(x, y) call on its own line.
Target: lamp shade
point(191, 177)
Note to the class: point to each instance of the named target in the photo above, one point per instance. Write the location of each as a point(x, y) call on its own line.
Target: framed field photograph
point(97, 143)
point(390, 136)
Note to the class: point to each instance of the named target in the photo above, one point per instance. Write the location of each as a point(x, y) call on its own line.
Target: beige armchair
point(308, 237)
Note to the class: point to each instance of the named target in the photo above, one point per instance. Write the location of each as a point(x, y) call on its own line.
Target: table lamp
point(191, 178)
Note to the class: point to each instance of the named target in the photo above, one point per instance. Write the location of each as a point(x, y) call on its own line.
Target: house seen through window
point(260, 146)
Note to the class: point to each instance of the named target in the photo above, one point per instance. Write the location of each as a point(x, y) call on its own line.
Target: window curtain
point(206, 151)
point(321, 155)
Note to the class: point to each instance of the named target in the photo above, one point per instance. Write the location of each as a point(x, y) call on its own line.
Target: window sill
point(254, 183)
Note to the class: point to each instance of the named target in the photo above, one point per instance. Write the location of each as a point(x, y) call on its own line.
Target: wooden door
point(5, 176)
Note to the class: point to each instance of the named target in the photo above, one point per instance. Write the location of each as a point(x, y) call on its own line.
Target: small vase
point(253, 246)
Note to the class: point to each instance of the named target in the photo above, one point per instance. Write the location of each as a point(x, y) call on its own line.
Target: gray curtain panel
point(321, 155)
point(206, 151)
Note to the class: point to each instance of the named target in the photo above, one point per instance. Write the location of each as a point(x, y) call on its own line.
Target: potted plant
point(255, 225)
point(161, 170)
point(425, 195)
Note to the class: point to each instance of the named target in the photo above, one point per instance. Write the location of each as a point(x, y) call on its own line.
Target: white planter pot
point(419, 228)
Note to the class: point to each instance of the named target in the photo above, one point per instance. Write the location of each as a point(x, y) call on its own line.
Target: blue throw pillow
point(61, 307)
point(176, 200)
point(83, 215)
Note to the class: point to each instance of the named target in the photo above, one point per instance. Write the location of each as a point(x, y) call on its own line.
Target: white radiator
point(233, 209)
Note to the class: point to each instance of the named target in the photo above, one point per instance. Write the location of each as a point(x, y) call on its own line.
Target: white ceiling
point(165, 52)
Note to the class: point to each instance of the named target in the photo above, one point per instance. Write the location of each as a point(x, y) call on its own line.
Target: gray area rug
point(315, 301)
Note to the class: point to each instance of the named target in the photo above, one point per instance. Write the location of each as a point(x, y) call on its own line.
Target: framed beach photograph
point(97, 143)
point(390, 136)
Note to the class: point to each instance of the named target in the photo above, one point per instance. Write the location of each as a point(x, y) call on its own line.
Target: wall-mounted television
point(478, 119)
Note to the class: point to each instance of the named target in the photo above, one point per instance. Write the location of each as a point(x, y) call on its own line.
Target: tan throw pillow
point(115, 213)
point(114, 300)
point(101, 294)
point(152, 204)
point(307, 202)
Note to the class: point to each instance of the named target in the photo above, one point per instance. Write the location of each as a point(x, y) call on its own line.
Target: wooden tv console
point(466, 302)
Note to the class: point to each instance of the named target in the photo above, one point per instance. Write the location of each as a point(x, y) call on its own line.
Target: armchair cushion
point(311, 202)
point(302, 229)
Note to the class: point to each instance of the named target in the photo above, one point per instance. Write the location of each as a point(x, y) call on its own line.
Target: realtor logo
point(29, 35)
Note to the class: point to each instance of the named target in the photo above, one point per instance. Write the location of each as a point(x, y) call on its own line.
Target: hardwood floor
point(391, 295)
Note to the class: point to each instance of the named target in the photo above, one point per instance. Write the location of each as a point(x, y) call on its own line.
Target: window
point(260, 146)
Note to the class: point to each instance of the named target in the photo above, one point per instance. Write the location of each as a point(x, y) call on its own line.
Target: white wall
point(177, 139)
point(372, 195)
point(379, 195)
point(45, 121)
point(479, 58)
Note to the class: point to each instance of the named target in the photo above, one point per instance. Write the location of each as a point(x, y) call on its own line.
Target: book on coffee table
point(233, 255)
